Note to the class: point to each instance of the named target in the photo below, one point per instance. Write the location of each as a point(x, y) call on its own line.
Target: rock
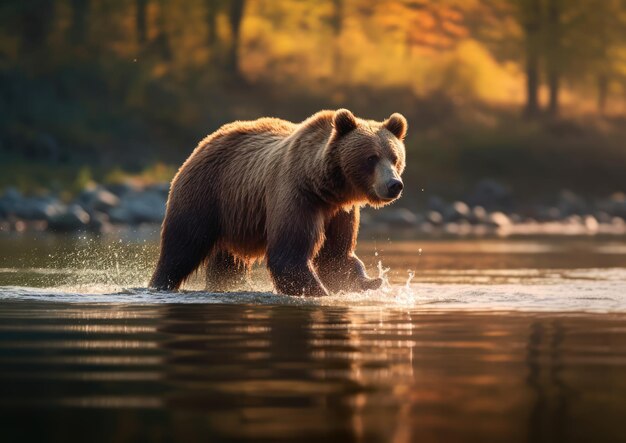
point(12, 203)
point(43, 208)
point(574, 220)
point(122, 189)
point(161, 188)
point(461, 227)
point(571, 204)
point(591, 223)
point(98, 199)
point(139, 207)
point(614, 205)
point(546, 213)
point(456, 212)
point(9, 201)
point(435, 218)
point(53, 208)
point(426, 227)
point(121, 215)
point(399, 218)
point(11, 194)
point(73, 218)
point(34, 209)
point(498, 220)
point(491, 195)
point(99, 222)
point(436, 203)
point(478, 215)
point(602, 217)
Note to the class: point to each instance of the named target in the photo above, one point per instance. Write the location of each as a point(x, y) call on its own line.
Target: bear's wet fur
point(289, 193)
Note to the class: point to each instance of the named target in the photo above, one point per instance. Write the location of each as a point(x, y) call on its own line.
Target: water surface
point(489, 341)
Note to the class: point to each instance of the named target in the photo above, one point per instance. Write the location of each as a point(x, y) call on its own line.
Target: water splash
point(382, 274)
point(104, 271)
point(409, 279)
point(117, 264)
point(597, 290)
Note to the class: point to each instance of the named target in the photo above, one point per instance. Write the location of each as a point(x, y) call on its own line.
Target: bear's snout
point(387, 182)
point(394, 188)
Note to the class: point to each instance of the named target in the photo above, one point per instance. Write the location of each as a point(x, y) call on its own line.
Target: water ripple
point(593, 290)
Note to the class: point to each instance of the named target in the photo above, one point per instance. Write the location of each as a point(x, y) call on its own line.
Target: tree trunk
point(337, 25)
point(161, 43)
point(35, 21)
point(235, 17)
point(212, 7)
point(603, 88)
point(532, 82)
point(140, 21)
point(553, 92)
point(78, 27)
point(554, 56)
point(532, 30)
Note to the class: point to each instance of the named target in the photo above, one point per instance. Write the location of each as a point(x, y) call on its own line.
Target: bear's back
point(271, 128)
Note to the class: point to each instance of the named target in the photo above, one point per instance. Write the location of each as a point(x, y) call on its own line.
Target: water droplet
point(382, 273)
point(408, 281)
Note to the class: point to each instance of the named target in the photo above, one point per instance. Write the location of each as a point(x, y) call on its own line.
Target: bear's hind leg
point(183, 247)
point(225, 272)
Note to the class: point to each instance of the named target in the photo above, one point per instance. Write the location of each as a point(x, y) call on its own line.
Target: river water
point(469, 340)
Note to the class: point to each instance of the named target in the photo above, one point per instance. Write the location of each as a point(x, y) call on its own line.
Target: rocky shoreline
point(489, 209)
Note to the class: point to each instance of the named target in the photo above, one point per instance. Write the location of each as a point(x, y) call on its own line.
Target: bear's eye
point(372, 159)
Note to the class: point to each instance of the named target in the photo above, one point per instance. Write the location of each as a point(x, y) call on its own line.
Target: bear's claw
point(371, 283)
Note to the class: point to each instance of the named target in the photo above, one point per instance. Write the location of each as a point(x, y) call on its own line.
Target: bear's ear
point(397, 125)
point(344, 121)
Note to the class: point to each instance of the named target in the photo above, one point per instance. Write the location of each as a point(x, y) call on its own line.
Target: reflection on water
point(233, 372)
point(490, 341)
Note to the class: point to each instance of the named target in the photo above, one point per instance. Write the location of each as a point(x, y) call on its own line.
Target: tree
point(337, 27)
point(35, 23)
point(513, 31)
point(604, 44)
point(212, 9)
point(235, 17)
point(140, 20)
point(530, 18)
point(77, 32)
point(554, 57)
point(161, 44)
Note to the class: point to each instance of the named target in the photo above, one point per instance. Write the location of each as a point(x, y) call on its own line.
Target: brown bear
point(287, 192)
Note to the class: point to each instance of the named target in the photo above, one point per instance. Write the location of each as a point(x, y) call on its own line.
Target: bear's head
point(371, 156)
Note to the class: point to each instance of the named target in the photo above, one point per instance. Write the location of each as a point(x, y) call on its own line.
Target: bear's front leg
point(291, 246)
point(345, 273)
point(294, 276)
point(338, 266)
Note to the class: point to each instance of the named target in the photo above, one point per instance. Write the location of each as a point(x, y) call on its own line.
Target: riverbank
point(489, 209)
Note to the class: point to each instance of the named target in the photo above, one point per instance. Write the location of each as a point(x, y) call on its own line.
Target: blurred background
point(513, 105)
